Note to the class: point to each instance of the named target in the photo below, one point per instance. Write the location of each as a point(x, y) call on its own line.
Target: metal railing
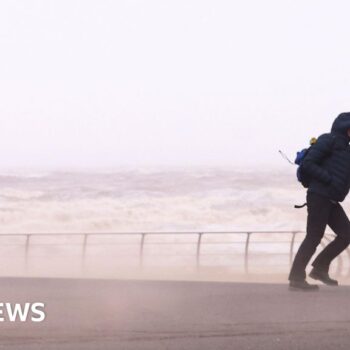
point(199, 243)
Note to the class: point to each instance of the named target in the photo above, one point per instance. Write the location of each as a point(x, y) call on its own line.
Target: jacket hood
point(341, 125)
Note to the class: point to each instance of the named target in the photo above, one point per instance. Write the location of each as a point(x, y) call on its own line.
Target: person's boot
point(302, 286)
point(323, 277)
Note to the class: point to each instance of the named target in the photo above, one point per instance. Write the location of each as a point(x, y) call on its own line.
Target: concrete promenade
point(151, 315)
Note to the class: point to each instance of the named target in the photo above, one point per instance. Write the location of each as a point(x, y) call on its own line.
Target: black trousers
point(321, 211)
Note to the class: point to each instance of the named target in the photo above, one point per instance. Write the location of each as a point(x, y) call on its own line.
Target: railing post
point(246, 268)
point(83, 258)
point(26, 256)
point(339, 265)
point(142, 243)
point(348, 253)
point(339, 259)
point(198, 250)
point(29, 242)
point(291, 250)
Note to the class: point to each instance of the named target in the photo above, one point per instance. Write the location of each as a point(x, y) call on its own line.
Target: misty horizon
point(104, 84)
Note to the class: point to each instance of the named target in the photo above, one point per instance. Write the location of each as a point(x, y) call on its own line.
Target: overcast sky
point(109, 83)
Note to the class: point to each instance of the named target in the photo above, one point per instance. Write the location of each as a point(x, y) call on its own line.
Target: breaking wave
point(150, 200)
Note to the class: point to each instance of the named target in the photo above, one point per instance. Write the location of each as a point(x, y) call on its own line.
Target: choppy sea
point(150, 200)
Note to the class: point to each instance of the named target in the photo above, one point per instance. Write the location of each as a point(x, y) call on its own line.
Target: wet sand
point(107, 314)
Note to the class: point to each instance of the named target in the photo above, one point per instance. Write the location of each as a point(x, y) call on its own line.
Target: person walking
point(328, 166)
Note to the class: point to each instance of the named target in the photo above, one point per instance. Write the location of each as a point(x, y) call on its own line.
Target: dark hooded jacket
point(328, 161)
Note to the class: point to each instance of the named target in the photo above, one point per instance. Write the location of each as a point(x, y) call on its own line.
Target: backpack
point(303, 178)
